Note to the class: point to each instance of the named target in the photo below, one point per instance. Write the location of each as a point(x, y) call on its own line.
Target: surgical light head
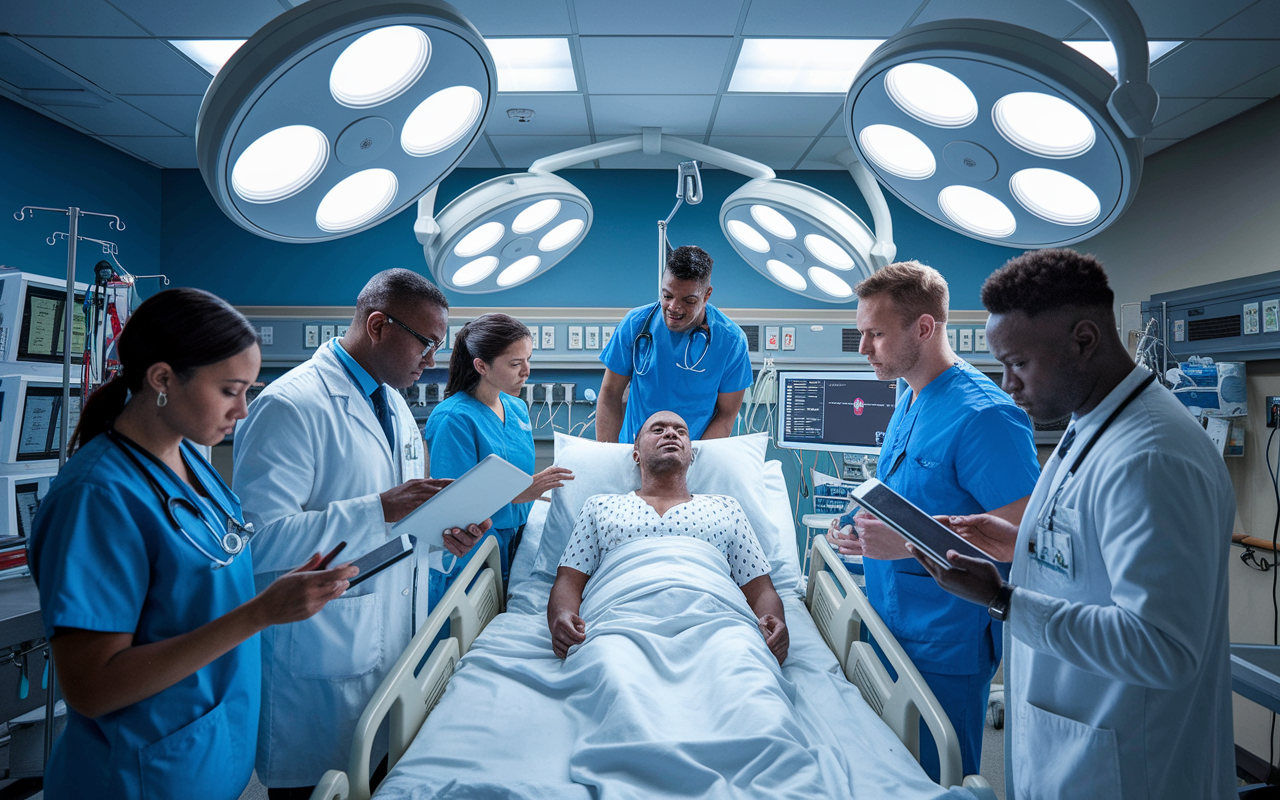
point(1004, 134)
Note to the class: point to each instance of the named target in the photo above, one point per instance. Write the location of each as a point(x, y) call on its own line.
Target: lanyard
point(1075, 465)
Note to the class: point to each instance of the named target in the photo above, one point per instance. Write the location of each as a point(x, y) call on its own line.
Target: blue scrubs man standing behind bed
point(956, 444)
point(680, 354)
point(482, 415)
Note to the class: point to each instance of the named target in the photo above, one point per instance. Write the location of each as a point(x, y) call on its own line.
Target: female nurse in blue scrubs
point(482, 414)
point(146, 582)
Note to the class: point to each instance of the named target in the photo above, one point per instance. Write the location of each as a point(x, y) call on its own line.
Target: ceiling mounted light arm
point(425, 227)
point(884, 250)
point(666, 144)
point(1134, 101)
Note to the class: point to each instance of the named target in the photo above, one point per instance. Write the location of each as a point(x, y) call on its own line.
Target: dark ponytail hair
point(184, 328)
point(485, 337)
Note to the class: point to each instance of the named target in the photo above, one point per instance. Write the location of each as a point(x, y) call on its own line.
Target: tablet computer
point(393, 552)
point(932, 537)
point(476, 496)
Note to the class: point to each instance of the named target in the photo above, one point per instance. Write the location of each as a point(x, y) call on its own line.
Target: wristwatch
point(999, 608)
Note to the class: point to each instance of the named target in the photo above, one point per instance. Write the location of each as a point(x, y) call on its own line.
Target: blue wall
point(613, 267)
point(44, 163)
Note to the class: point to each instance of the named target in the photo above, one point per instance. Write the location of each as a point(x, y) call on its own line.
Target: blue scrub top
point(461, 431)
point(106, 558)
point(969, 449)
point(664, 386)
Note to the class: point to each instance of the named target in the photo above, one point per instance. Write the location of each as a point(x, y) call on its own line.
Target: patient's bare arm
point(567, 628)
point(766, 604)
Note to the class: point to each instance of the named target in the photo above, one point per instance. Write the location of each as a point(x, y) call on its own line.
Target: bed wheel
point(995, 713)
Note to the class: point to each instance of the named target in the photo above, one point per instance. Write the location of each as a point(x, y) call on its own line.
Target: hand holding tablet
point(930, 537)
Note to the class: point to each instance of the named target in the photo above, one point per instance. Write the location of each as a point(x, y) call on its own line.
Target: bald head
point(662, 446)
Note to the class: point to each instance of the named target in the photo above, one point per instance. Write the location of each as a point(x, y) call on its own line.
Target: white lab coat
point(310, 462)
point(1119, 674)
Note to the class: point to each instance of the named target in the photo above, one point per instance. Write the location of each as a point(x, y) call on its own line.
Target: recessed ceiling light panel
point(1037, 106)
point(526, 222)
point(399, 89)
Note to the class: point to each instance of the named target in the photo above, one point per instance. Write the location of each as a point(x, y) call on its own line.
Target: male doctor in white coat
point(330, 453)
point(1118, 672)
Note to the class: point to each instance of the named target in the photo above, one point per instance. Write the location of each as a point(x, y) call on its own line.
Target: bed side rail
point(406, 699)
point(839, 608)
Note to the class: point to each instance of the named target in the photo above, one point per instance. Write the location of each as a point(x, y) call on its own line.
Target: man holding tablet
point(1119, 675)
point(956, 444)
point(330, 452)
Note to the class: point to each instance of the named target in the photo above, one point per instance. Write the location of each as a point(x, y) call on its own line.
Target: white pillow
point(732, 466)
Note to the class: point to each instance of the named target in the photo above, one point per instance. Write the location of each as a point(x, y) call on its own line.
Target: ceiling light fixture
point(1004, 134)
point(812, 66)
point(339, 114)
point(533, 65)
point(209, 54)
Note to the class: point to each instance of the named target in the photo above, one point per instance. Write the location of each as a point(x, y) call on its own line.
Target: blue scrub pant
point(440, 582)
point(964, 699)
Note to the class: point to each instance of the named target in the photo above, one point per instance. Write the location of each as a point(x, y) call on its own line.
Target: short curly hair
point(1047, 280)
point(690, 263)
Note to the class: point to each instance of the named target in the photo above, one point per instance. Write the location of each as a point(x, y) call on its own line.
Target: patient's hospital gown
point(608, 521)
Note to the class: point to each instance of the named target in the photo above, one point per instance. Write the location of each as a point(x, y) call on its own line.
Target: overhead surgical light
point(1004, 134)
point(339, 114)
point(513, 228)
point(807, 241)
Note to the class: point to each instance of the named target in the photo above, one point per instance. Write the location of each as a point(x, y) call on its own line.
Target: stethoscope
point(645, 335)
point(1046, 519)
point(232, 541)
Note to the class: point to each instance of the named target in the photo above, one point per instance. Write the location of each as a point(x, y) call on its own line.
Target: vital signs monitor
point(846, 412)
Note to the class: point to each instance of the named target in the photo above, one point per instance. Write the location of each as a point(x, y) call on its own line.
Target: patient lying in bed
point(663, 507)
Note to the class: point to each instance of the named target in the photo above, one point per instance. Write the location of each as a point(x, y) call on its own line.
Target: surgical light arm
point(884, 250)
point(1134, 101)
point(652, 143)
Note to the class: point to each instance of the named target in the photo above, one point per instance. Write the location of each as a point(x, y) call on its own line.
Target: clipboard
point(479, 494)
point(932, 537)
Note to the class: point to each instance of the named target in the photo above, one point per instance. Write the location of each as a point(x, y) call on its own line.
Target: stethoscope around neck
point(232, 542)
point(648, 362)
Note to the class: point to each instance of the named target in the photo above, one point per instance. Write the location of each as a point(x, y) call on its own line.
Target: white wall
point(1208, 210)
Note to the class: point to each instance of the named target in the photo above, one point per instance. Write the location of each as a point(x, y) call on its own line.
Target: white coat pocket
point(344, 640)
point(1056, 757)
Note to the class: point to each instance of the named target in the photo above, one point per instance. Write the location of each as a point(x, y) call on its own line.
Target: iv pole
point(73, 237)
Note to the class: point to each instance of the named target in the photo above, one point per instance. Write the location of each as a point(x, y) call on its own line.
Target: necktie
point(1067, 439)
point(383, 412)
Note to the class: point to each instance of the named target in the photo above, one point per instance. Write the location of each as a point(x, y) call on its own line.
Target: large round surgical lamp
point(339, 114)
point(807, 241)
point(1004, 134)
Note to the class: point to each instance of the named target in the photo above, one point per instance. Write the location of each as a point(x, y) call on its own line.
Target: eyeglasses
point(430, 345)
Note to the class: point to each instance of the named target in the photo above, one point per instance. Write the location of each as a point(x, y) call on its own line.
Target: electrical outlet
point(453, 334)
point(951, 338)
point(268, 335)
point(1273, 411)
point(575, 337)
point(593, 338)
point(533, 331)
point(548, 337)
point(980, 340)
point(966, 340)
point(606, 333)
point(312, 336)
point(341, 330)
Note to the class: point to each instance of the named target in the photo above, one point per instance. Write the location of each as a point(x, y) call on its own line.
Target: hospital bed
point(463, 752)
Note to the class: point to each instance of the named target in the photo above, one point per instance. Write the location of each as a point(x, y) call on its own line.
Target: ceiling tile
point(778, 152)
point(26, 69)
point(1153, 146)
point(481, 157)
point(1203, 116)
point(654, 65)
point(1259, 21)
point(658, 17)
point(681, 115)
point(178, 111)
point(552, 114)
point(1171, 107)
point(1055, 19)
point(859, 18)
point(1211, 68)
point(65, 18)
point(1176, 19)
point(238, 19)
point(169, 152)
point(775, 115)
point(822, 156)
point(517, 17)
point(127, 66)
point(115, 119)
point(1265, 85)
point(521, 151)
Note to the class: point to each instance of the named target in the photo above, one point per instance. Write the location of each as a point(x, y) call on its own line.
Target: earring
point(162, 400)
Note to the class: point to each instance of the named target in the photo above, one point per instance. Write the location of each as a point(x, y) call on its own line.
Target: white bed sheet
point(494, 737)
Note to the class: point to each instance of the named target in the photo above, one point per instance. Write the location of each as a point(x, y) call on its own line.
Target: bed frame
point(407, 694)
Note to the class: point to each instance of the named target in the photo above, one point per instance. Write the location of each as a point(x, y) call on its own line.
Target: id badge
point(411, 452)
point(1052, 549)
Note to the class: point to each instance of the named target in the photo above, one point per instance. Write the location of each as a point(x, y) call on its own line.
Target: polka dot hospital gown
point(610, 520)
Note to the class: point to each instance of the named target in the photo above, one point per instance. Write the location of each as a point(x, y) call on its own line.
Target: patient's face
point(663, 444)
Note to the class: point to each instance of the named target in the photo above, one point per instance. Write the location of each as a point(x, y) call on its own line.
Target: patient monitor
point(31, 423)
point(845, 412)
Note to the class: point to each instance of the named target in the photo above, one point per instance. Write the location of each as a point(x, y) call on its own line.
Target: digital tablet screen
point(932, 537)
